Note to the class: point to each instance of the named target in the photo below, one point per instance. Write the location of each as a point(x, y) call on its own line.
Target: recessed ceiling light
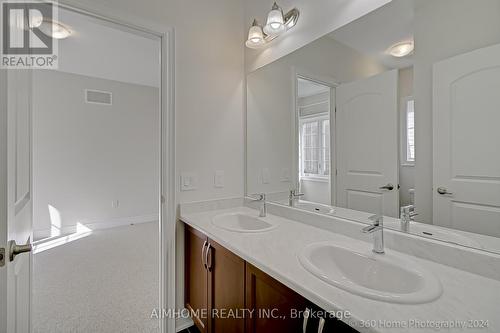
point(401, 49)
point(36, 19)
point(55, 29)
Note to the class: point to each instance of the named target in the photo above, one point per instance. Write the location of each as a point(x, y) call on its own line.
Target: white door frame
point(297, 73)
point(166, 187)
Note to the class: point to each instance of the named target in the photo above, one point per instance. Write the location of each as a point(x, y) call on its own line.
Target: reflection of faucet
point(407, 213)
point(294, 194)
point(263, 209)
point(377, 228)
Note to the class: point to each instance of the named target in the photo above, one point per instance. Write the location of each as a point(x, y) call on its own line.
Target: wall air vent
point(98, 97)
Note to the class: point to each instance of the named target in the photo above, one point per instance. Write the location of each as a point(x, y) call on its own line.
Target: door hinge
point(2, 256)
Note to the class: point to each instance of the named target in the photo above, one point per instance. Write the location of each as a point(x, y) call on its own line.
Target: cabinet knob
point(204, 263)
point(321, 325)
point(307, 312)
point(209, 265)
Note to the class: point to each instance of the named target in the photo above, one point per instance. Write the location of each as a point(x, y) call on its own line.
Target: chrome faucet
point(377, 228)
point(294, 194)
point(407, 213)
point(262, 198)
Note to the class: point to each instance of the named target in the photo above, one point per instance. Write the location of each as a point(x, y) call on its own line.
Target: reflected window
point(315, 146)
point(409, 131)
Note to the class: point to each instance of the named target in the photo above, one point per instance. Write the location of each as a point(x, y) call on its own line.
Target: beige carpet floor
point(103, 283)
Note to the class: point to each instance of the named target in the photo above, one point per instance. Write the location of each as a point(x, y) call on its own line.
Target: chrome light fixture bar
point(276, 24)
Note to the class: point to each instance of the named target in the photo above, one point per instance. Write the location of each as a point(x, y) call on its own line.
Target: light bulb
point(275, 22)
point(255, 36)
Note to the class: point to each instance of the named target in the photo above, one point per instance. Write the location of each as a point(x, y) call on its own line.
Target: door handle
point(203, 254)
point(15, 249)
point(209, 248)
point(443, 191)
point(306, 318)
point(388, 187)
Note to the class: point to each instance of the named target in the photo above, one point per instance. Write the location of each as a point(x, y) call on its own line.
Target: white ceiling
point(309, 88)
point(104, 50)
point(374, 33)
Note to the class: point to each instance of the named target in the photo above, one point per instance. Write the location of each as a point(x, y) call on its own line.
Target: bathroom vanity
point(239, 297)
point(376, 148)
point(237, 260)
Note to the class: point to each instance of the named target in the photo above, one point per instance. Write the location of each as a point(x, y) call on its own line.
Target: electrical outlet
point(266, 176)
point(219, 179)
point(285, 175)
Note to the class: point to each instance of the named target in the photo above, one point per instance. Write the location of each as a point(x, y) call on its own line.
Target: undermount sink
point(241, 222)
point(445, 235)
point(385, 277)
point(312, 207)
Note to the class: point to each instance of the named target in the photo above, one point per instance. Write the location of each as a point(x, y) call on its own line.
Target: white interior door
point(367, 141)
point(466, 118)
point(17, 282)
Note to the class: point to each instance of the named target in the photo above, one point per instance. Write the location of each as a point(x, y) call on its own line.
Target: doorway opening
point(316, 131)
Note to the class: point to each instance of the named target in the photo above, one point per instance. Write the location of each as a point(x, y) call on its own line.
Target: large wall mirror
point(396, 113)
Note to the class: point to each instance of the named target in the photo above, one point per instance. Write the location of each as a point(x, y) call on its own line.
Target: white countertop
point(467, 298)
point(460, 237)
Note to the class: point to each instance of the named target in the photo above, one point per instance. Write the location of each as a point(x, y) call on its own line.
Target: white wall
point(317, 18)
point(103, 50)
point(86, 155)
point(406, 172)
point(443, 28)
point(209, 71)
point(270, 110)
point(209, 84)
point(316, 191)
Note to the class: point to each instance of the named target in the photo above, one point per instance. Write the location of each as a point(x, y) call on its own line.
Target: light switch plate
point(219, 179)
point(189, 181)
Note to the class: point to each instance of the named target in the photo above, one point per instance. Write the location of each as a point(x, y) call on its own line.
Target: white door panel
point(19, 204)
point(367, 140)
point(466, 114)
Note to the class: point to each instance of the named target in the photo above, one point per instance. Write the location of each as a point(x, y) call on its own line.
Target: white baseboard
point(98, 225)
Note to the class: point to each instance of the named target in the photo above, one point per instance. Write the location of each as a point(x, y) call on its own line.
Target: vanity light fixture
point(276, 24)
point(401, 49)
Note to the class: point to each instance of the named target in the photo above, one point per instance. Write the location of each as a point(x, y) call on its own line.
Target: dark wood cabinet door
point(275, 307)
point(226, 290)
point(196, 277)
